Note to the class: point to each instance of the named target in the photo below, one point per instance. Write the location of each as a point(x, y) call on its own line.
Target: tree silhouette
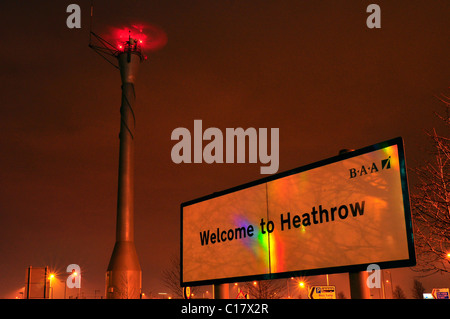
point(398, 293)
point(266, 289)
point(418, 290)
point(171, 278)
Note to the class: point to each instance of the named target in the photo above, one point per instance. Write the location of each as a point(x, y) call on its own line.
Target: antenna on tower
point(100, 46)
point(105, 49)
point(90, 22)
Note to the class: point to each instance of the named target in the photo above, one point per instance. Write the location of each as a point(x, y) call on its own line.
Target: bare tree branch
point(431, 203)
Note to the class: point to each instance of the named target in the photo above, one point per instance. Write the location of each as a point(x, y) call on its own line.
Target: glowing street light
point(288, 288)
point(303, 284)
point(74, 275)
point(52, 276)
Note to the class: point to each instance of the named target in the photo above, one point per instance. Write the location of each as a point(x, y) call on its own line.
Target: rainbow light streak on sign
point(258, 248)
point(337, 215)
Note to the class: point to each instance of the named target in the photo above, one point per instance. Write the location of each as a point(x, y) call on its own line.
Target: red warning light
point(148, 37)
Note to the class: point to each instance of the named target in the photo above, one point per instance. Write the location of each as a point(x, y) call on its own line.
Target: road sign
point(322, 292)
point(337, 215)
point(440, 293)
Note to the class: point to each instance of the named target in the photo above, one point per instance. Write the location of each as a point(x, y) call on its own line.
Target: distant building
point(37, 283)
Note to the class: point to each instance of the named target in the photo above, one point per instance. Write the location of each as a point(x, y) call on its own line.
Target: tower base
point(124, 276)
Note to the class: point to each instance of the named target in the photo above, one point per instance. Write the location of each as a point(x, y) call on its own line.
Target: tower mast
point(123, 275)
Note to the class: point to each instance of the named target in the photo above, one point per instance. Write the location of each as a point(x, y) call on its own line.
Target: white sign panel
point(336, 215)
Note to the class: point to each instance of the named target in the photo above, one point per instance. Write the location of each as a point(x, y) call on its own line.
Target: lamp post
point(76, 274)
point(288, 286)
point(303, 285)
point(52, 276)
point(387, 281)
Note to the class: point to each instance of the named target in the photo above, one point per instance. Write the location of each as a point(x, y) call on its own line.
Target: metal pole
point(382, 285)
point(222, 291)
point(45, 283)
point(124, 277)
point(28, 282)
point(358, 285)
point(358, 280)
point(392, 284)
point(287, 283)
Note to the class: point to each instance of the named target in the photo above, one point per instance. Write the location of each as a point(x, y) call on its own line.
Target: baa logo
point(369, 169)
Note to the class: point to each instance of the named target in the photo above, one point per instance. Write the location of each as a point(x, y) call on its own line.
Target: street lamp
point(74, 275)
point(304, 285)
point(387, 281)
point(288, 288)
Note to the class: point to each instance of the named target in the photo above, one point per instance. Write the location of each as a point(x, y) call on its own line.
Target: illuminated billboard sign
point(336, 215)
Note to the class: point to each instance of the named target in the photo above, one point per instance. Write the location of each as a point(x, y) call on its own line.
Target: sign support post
point(358, 285)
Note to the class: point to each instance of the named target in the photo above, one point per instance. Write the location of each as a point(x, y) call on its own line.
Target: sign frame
point(410, 261)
